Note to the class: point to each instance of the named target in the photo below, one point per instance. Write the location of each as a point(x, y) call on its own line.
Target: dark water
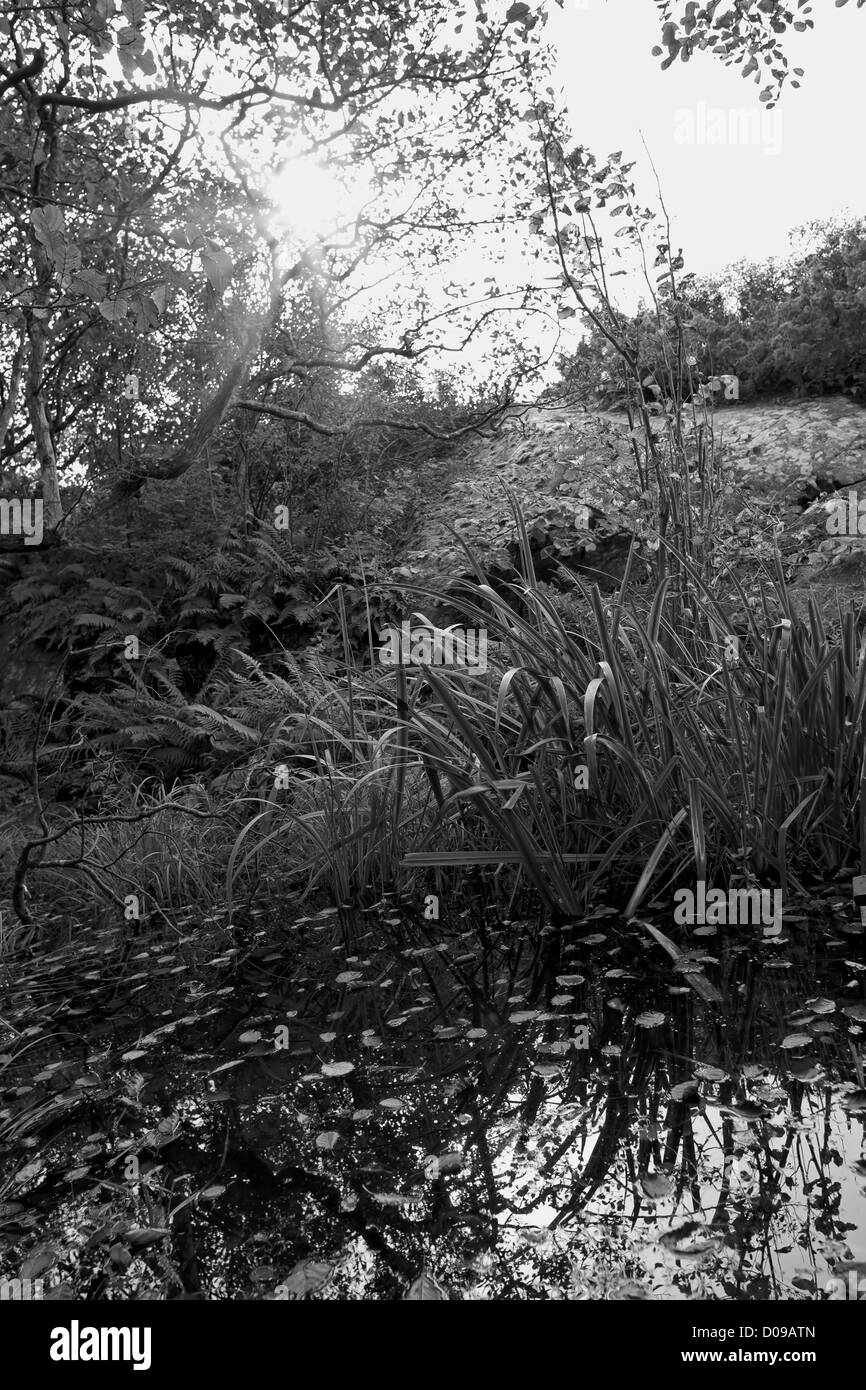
point(336, 1108)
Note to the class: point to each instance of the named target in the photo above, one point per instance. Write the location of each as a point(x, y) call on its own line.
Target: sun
point(311, 202)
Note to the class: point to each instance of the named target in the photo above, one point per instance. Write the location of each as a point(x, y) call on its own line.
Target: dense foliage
point(789, 328)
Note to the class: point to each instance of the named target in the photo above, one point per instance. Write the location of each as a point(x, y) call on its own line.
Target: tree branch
point(373, 422)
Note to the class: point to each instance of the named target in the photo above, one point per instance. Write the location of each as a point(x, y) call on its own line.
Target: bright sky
point(736, 178)
point(732, 200)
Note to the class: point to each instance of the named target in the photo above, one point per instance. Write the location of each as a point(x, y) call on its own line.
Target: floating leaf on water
point(855, 1011)
point(854, 1102)
point(686, 1090)
point(425, 1289)
point(252, 1037)
point(796, 1040)
point(655, 1186)
point(651, 1018)
point(477, 1033)
point(346, 977)
point(361, 1114)
point(133, 1055)
point(396, 1022)
point(746, 1110)
point(337, 1068)
point(806, 1069)
point(227, 1066)
point(523, 1016)
point(559, 999)
point(546, 1071)
point(210, 1194)
point(392, 1199)
point(329, 1139)
point(705, 1072)
point(595, 940)
point(392, 1103)
point(570, 979)
point(692, 1239)
point(328, 1037)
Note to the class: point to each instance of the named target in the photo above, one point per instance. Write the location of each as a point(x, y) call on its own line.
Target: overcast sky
point(733, 200)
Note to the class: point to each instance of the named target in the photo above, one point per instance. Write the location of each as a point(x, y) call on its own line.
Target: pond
point(371, 1105)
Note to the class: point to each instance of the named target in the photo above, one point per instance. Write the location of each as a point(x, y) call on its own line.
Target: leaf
point(38, 1262)
point(307, 1276)
point(347, 976)
point(210, 1194)
point(329, 1139)
point(252, 1037)
point(517, 12)
point(650, 1019)
point(523, 1016)
point(145, 1235)
point(115, 310)
point(91, 283)
point(796, 1040)
point(425, 1289)
point(337, 1068)
point(48, 225)
point(218, 268)
point(159, 295)
point(120, 1256)
point(855, 1011)
point(821, 1006)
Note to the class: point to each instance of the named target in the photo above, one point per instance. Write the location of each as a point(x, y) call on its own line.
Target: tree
point(145, 281)
point(745, 33)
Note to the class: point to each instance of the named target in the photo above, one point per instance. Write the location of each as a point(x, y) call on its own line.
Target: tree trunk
point(42, 437)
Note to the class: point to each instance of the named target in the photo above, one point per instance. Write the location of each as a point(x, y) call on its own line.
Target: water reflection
point(499, 1109)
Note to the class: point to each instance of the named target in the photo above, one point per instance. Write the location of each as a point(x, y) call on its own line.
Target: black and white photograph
point(432, 677)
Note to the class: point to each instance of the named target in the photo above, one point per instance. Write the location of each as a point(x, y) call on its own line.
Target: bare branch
point(373, 422)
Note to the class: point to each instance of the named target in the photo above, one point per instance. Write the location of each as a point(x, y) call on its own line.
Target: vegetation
point(237, 838)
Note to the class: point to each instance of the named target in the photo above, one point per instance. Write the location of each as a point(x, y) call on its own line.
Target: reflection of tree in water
point(661, 1161)
point(520, 1111)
